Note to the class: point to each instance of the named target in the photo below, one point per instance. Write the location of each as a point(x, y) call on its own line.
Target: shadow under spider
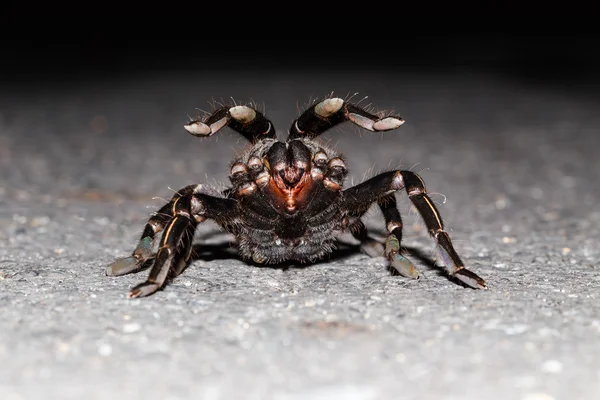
point(225, 251)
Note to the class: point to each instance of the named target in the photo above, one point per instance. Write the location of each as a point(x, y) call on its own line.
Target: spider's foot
point(456, 270)
point(469, 278)
point(372, 248)
point(401, 264)
point(143, 290)
point(134, 263)
point(404, 266)
point(123, 266)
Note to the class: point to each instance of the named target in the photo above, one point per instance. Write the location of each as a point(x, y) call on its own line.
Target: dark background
point(565, 62)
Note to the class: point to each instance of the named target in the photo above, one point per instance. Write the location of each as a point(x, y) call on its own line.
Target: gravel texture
point(512, 166)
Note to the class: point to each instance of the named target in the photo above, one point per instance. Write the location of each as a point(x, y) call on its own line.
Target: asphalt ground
point(511, 165)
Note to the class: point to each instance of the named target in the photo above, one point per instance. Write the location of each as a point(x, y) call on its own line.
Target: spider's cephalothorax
point(287, 200)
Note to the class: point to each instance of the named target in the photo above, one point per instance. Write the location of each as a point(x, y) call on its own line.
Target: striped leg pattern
point(177, 221)
point(380, 189)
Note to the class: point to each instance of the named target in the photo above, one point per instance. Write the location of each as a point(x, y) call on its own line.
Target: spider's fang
point(328, 107)
point(387, 124)
point(198, 128)
point(242, 114)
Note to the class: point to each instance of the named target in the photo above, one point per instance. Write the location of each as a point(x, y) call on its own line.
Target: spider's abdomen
point(291, 238)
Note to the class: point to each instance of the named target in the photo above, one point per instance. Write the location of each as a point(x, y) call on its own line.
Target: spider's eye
point(282, 173)
point(301, 172)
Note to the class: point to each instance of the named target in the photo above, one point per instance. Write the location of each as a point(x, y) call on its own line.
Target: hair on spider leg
point(349, 97)
point(431, 195)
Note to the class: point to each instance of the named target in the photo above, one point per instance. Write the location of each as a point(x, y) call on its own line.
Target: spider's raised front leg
point(380, 189)
point(333, 111)
point(179, 218)
point(245, 120)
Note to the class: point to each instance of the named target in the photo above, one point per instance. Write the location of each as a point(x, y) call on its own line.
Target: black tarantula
point(286, 200)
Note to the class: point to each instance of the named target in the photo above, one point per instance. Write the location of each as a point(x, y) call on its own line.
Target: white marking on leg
point(215, 126)
point(328, 107)
point(297, 127)
point(361, 121)
point(415, 191)
point(393, 225)
point(242, 114)
point(398, 181)
point(387, 124)
point(198, 128)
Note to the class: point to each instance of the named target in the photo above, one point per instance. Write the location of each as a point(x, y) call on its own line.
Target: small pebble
point(131, 328)
point(105, 350)
point(552, 367)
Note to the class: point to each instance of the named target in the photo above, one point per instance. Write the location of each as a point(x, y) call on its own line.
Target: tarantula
point(287, 200)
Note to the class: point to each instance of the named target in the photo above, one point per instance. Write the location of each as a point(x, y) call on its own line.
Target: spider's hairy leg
point(176, 243)
point(392, 249)
point(143, 251)
point(368, 245)
point(358, 198)
point(174, 249)
point(247, 121)
point(393, 223)
point(334, 110)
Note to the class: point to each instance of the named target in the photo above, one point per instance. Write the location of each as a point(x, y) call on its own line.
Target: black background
point(564, 62)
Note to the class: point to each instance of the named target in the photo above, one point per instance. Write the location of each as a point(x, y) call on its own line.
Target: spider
point(286, 201)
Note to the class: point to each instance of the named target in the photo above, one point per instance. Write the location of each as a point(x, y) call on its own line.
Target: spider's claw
point(143, 289)
point(470, 279)
point(122, 266)
point(198, 128)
